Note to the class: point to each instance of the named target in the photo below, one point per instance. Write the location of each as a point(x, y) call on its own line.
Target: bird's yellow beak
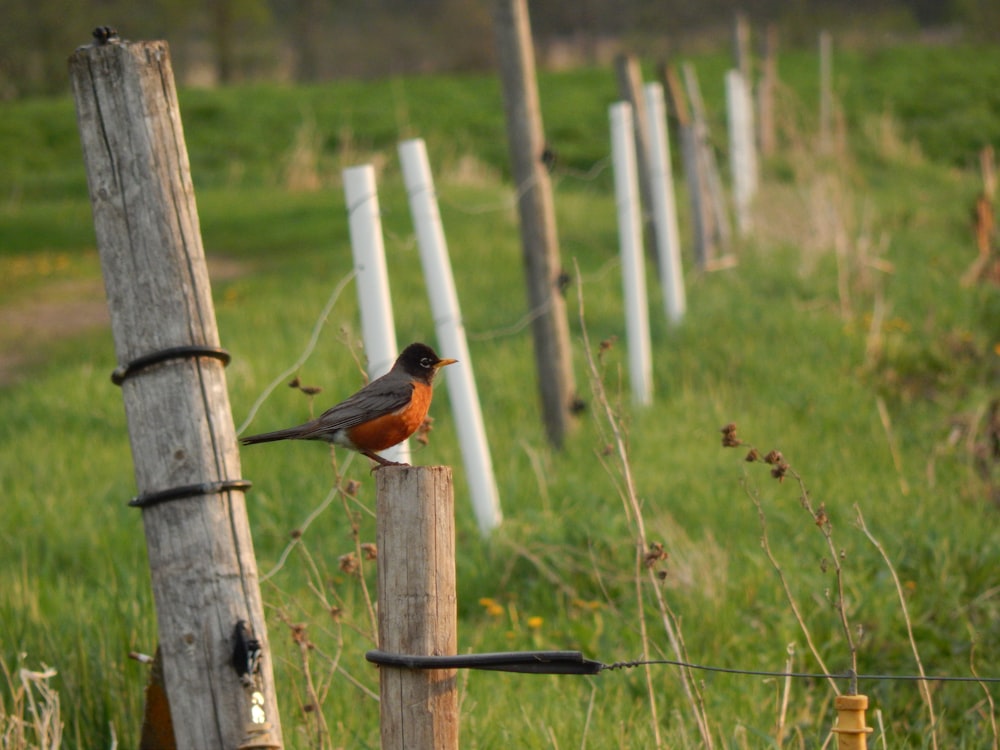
point(444, 362)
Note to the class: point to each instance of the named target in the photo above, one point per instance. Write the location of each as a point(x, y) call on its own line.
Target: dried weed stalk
point(33, 718)
point(780, 470)
point(647, 554)
point(925, 691)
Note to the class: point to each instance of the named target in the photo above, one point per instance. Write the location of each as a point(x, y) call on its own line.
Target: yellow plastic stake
point(852, 734)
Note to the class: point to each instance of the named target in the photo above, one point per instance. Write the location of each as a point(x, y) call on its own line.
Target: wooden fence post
point(417, 610)
point(630, 90)
point(545, 276)
point(742, 55)
point(766, 139)
point(702, 219)
point(187, 467)
point(707, 164)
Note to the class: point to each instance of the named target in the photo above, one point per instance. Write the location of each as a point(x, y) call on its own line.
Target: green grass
point(765, 345)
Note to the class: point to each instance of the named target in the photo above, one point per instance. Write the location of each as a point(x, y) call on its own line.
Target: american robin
point(382, 414)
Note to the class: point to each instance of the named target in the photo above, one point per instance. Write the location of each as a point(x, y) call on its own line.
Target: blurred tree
point(234, 27)
point(980, 17)
point(309, 27)
point(308, 40)
point(36, 39)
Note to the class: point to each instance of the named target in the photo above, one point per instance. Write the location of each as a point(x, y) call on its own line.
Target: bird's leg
point(381, 461)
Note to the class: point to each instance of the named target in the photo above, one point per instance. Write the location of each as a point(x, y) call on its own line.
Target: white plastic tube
point(374, 299)
point(451, 334)
point(665, 206)
point(633, 263)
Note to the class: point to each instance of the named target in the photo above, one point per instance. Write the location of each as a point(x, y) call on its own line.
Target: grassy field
point(871, 369)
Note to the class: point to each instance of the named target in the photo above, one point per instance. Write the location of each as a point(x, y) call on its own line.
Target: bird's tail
point(269, 437)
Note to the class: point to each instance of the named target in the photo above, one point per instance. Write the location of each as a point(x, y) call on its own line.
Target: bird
point(382, 414)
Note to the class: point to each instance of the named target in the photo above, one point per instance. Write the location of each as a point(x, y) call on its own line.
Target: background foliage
point(225, 41)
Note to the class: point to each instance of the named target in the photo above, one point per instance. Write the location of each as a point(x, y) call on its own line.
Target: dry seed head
point(348, 563)
point(655, 554)
point(729, 438)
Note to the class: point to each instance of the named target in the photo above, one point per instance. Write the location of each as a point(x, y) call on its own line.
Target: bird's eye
point(425, 362)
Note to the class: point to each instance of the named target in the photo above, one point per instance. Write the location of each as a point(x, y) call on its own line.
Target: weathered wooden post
point(543, 270)
point(707, 163)
point(417, 608)
point(766, 139)
point(630, 90)
point(702, 218)
point(187, 466)
point(742, 56)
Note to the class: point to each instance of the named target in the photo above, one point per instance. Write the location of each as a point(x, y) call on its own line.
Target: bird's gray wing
point(380, 397)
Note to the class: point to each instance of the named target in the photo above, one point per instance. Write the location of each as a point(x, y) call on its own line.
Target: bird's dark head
point(421, 362)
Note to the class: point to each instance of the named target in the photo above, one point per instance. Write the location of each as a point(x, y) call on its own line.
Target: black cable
point(189, 490)
point(139, 364)
point(535, 662)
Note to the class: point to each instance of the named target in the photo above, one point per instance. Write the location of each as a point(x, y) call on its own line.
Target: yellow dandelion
point(491, 606)
point(535, 622)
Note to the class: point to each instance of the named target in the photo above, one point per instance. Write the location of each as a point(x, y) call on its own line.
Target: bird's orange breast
point(391, 429)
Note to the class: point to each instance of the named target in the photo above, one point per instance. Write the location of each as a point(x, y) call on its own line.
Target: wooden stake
point(707, 164)
point(544, 273)
point(417, 611)
point(765, 93)
point(630, 89)
point(204, 574)
point(742, 55)
point(851, 731)
point(702, 219)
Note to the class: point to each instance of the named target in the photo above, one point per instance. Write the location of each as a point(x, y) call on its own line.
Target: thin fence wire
point(304, 356)
point(847, 675)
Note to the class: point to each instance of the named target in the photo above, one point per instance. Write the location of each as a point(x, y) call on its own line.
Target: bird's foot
point(381, 462)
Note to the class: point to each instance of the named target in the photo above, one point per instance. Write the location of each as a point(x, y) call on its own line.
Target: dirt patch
point(61, 310)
